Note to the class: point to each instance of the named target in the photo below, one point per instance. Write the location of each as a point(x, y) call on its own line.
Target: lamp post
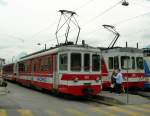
point(125, 3)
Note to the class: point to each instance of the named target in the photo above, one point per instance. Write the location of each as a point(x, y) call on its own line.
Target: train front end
point(130, 61)
point(79, 70)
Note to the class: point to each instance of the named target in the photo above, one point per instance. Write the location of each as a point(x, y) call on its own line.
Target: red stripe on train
point(133, 75)
point(79, 76)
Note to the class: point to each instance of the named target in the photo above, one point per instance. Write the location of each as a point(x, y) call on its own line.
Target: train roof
point(60, 49)
point(146, 51)
point(9, 64)
point(122, 49)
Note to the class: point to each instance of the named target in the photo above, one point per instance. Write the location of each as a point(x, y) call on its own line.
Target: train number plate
point(87, 83)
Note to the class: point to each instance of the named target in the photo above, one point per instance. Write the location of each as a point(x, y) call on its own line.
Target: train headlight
point(100, 77)
point(76, 79)
point(97, 79)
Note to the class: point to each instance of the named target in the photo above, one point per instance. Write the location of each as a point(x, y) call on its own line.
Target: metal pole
point(45, 46)
point(127, 81)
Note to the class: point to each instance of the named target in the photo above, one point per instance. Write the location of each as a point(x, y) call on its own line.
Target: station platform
point(120, 99)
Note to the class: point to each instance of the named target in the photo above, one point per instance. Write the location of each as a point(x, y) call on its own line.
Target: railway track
point(104, 100)
point(145, 94)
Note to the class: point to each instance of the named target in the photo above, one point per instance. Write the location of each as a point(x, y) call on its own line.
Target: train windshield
point(75, 62)
point(139, 62)
point(113, 62)
point(133, 62)
point(86, 62)
point(125, 62)
point(95, 62)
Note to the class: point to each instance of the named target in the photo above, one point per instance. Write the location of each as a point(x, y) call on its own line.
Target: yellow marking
point(122, 110)
point(139, 108)
point(25, 112)
point(3, 112)
point(75, 112)
point(146, 105)
point(97, 109)
point(52, 113)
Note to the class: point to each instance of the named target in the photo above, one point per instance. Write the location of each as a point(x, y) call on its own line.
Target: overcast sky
point(24, 23)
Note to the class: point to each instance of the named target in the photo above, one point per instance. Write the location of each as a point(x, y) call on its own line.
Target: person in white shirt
point(119, 80)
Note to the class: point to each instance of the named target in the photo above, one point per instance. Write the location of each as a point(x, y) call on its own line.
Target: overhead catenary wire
point(136, 2)
point(94, 18)
point(83, 5)
point(102, 13)
point(51, 25)
point(122, 21)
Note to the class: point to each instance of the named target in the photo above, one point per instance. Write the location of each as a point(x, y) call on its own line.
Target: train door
point(55, 72)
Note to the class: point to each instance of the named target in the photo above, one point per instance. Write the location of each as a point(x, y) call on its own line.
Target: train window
point(76, 62)
point(133, 63)
point(34, 66)
point(49, 63)
point(139, 62)
point(86, 62)
point(111, 62)
point(21, 67)
point(95, 62)
point(46, 64)
point(116, 62)
point(125, 62)
point(27, 66)
point(63, 62)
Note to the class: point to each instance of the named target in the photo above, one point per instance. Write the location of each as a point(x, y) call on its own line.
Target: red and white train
point(9, 72)
point(69, 69)
point(129, 60)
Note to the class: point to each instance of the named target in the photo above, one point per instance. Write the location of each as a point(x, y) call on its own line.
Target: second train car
point(129, 61)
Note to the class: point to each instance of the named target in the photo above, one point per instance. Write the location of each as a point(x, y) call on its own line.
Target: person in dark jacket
point(113, 81)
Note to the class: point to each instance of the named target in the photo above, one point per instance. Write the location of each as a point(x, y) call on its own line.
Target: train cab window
point(75, 62)
point(139, 62)
point(95, 62)
point(86, 62)
point(111, 62)
point(63, 62)
point(133, 62)
point(116, 62)
point(125, 62)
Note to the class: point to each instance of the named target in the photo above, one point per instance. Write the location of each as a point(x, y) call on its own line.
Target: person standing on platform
point(119, 80)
